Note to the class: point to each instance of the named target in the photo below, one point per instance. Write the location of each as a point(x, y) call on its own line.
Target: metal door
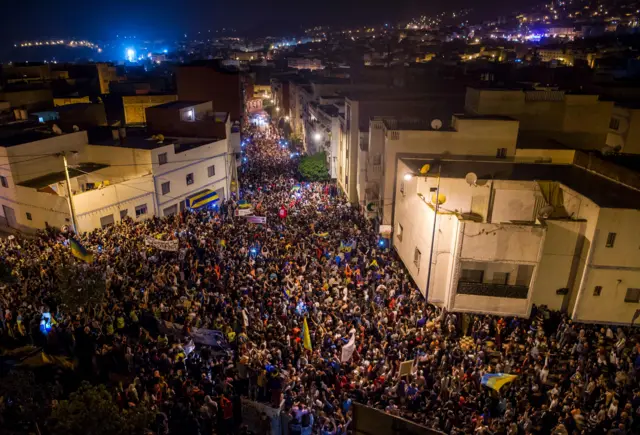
point(10, 216)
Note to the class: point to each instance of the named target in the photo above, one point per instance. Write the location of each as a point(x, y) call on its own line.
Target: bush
point(314, 168)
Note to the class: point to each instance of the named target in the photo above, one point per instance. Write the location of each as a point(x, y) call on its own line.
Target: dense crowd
point(256, 283)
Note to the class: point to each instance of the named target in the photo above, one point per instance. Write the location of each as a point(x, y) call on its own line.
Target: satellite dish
point(471, 178)
point(436, 124)
point(56, 129)
point(545, 211)
point(76, 128)
point(425, 168)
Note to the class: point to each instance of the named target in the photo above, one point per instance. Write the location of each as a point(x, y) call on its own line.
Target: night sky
point(32, 19)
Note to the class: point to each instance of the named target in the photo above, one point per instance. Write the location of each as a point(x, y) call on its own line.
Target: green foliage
point(314, 168)
point(80, 286)
point(91, 410)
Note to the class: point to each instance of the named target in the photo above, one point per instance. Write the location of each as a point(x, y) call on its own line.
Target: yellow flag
point(306, 337)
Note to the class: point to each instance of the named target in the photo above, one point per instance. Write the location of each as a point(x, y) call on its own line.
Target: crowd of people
point(317, 261)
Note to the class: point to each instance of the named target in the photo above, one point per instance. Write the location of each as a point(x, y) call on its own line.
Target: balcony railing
point(493, 290)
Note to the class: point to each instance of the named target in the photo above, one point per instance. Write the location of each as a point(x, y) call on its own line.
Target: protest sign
point(348, 349)
point(163, 245)
point(406, 368)
point(256, 219)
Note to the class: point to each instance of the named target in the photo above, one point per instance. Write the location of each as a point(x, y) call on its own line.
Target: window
point(614, 124)
point(500, 278)
point(400, 231)
point(166, 187)
point(124, 213)
point(162, 158)
point(29, 218)
point(189, 115)
point(633, 295)
point(141, 209)
point(417, 255)
point(211, 171)
point(597, 290)
point(189, 178)
point(472, 275)
point(106, 221)
point(377, 159)
point(501, 153)
point(611, 240)
point(3, 181)
point(89, 186)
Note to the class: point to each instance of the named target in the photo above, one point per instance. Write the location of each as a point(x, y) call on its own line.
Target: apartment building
point(360, 107)
point(113, 173)
point(468, 137)
point(135, 106)
point(497, 236)
point(576, 120)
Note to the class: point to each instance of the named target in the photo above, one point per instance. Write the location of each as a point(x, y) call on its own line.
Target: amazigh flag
point(323, 235)
point(306, 337)
point(79, 251)
point(287, 292)
point(347, 247)
point(495, 381)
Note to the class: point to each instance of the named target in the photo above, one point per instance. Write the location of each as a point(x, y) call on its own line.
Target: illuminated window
point(189, 115)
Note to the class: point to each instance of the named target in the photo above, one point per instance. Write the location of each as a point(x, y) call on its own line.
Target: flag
point(322, 235)
point(79, 251)
point(287, 292)
point(495, 381)
point(374, 263)
point(347, 349)
point(347, 247)
point(635, 316)
point(306, 337)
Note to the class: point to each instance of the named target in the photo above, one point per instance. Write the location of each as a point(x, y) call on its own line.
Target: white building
point(464, 136)
point(118, 173)
point(521, 234)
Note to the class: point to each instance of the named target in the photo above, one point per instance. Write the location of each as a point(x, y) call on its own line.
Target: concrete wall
point(204, 83)
point(135, 106)
point(43, 208)
point(28, 167)
point(196, 162)
point(111, 200)
point(472, 138)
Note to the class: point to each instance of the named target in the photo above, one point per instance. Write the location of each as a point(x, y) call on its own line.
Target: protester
point(289, 296)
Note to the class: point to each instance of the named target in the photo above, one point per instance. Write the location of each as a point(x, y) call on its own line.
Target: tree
point(79, 286)
point(314, 168)
point(91, 410)
point(22, 401)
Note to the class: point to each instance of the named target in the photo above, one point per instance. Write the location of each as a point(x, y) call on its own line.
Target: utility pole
point(74, 221)
point(433, 232)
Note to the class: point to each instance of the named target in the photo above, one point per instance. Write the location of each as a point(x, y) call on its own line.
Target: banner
point(208, 337)
point(347, 349)
point(244, 211)
point(256, 219)
point(385, 231)
point(163, 245)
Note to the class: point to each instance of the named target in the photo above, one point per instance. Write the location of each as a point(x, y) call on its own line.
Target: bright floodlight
point(408, 177)
point(277, 109)
point(131, 54)
point(317, 137)
point(286, 118)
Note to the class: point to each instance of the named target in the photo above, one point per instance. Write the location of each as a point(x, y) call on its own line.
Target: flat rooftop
point(21, 132)
point(140, 138)
point(180, 104)
point(55, 177)
point(602, 191)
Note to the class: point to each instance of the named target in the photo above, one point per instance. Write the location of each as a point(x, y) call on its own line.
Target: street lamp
point(277, 109)
point(286, 118)
point(317, 136)
point(408, 176)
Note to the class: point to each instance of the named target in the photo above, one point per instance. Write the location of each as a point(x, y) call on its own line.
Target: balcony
point(493, 290)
